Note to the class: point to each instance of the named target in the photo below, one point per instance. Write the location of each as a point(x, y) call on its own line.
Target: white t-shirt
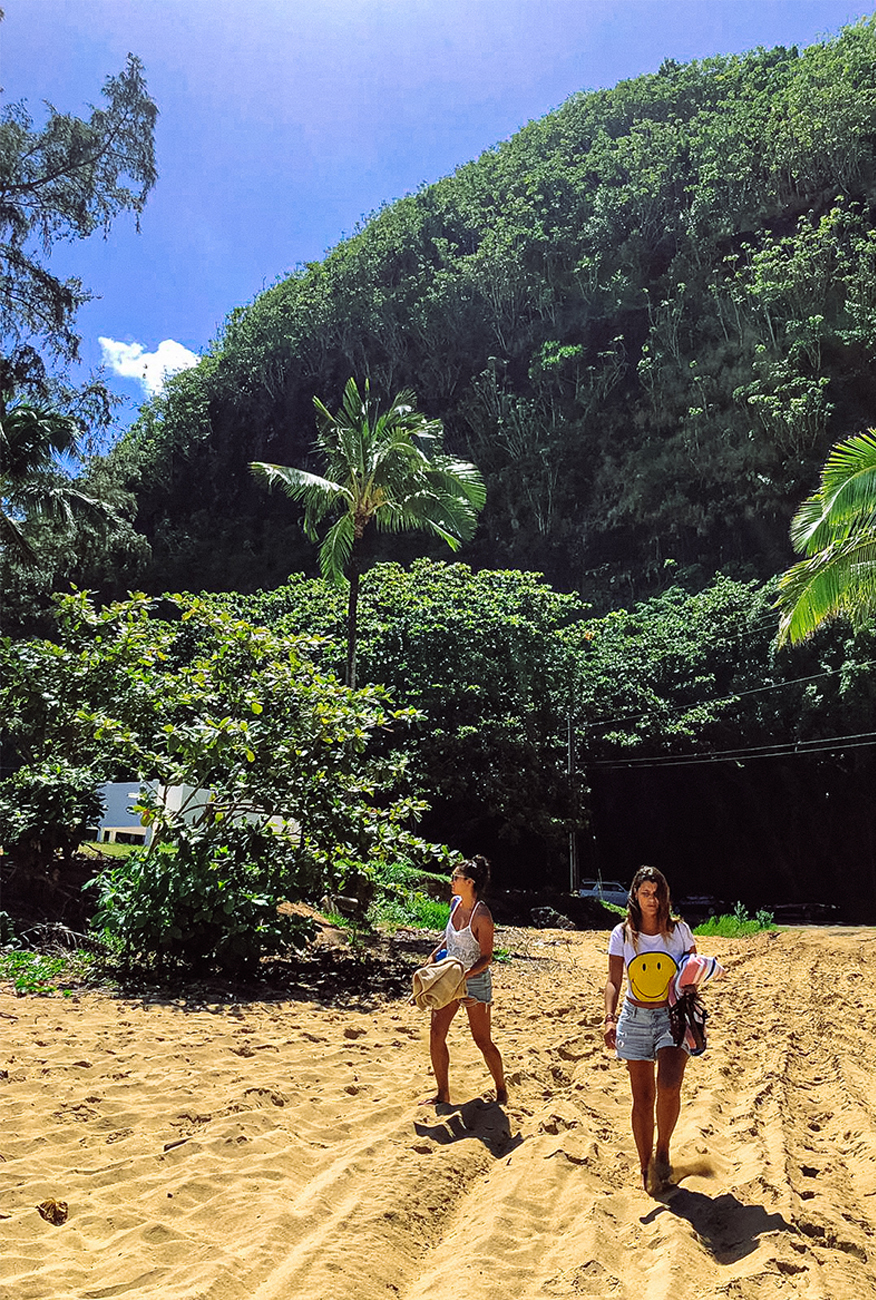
point(653, 963)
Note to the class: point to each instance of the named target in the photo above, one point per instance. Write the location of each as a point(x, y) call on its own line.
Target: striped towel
point(687, 1014)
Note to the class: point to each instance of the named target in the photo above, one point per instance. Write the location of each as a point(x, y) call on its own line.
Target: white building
point(120, 824)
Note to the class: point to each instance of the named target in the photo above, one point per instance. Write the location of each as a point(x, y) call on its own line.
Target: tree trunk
point(352, 616)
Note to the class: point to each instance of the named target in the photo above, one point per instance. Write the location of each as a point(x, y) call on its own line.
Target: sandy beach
point(272, 1149)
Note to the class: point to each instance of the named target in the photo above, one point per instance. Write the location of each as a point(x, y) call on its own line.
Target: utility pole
point(574, 868)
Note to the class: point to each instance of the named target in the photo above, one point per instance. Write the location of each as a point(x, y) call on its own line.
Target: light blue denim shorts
point(642, 1032)
point(479, 988)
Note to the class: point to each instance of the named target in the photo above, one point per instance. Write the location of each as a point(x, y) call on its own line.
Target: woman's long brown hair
point(633, 923)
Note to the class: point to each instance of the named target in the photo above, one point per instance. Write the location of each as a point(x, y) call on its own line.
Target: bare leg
point(643, 1090)
point(438, 1028)
point(671, 1062)
point(479, 1018)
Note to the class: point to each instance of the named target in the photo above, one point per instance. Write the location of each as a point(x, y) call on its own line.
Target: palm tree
point(32, 483)
point(382, 466)
point(835, 529)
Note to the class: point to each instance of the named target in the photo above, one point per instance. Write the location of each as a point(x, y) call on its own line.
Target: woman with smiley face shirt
point(649, 944)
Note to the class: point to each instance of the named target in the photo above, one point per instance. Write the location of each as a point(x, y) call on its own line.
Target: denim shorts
point(479, 988)
point(642, 1032)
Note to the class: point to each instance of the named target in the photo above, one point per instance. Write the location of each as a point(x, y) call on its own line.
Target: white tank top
point(462, 943)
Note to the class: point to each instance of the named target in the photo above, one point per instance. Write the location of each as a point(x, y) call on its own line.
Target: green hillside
point(646, 317)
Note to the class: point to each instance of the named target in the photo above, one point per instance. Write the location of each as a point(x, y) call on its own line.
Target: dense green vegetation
point(481, 658)
point(740, 769)
point(496, 663)
point(200, 700)
point(645, 317)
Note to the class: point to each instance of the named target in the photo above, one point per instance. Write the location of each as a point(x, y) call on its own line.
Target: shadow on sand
point(483, 1120)
point(726, 1227)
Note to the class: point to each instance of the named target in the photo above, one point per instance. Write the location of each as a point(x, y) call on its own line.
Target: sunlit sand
point(273, 1150)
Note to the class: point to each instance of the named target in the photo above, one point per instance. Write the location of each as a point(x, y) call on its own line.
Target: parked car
point(605, 891)
point(700, 907)
point(804, 913)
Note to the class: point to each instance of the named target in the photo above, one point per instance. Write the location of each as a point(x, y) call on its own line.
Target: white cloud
point(132, 361)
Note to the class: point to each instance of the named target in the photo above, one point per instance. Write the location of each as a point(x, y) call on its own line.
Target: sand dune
point(273, 1150)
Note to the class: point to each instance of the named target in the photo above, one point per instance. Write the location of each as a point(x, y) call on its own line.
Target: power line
point(784, 749)
point(724, 699)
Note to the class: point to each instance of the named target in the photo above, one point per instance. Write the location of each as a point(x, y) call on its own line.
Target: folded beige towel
point(438, 984)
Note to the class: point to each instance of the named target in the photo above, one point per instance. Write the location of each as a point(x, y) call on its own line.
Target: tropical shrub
point(284, 797)
point(203, 902)
point(46, 811)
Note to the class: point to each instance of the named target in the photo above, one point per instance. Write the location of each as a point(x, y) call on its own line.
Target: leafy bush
point(285, 797)
point(201, 903)
point(46, 810)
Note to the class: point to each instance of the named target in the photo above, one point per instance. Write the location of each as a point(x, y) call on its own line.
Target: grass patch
point(42, 974)
point(93, 849)
point(409, 908)
point(736, 924)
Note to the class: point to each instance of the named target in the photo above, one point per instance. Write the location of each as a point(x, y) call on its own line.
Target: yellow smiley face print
point(650, 975)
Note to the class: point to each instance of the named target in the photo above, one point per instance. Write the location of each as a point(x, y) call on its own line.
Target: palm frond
point(320, 495)
point(402, 409)
point(355, 406)
point(395, 463)
point(459, 476)
point(449, 517)
point(336, 549)
point(428, 431)
point(296, 483)
point(51, 496)
point(840, 579)
point(325, 427)
point(32, 438)
point(11, 536)
point(300, 484)
point(417, 515)
point(846, 498)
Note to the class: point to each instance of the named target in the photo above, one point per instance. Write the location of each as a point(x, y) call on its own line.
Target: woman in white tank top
point(468, 936)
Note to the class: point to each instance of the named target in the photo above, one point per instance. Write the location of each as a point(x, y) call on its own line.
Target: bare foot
point(659, 1173)
point(501, 1096)
point(438, 1100)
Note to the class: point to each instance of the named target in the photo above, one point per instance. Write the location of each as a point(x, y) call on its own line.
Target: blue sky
point(285, 122)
